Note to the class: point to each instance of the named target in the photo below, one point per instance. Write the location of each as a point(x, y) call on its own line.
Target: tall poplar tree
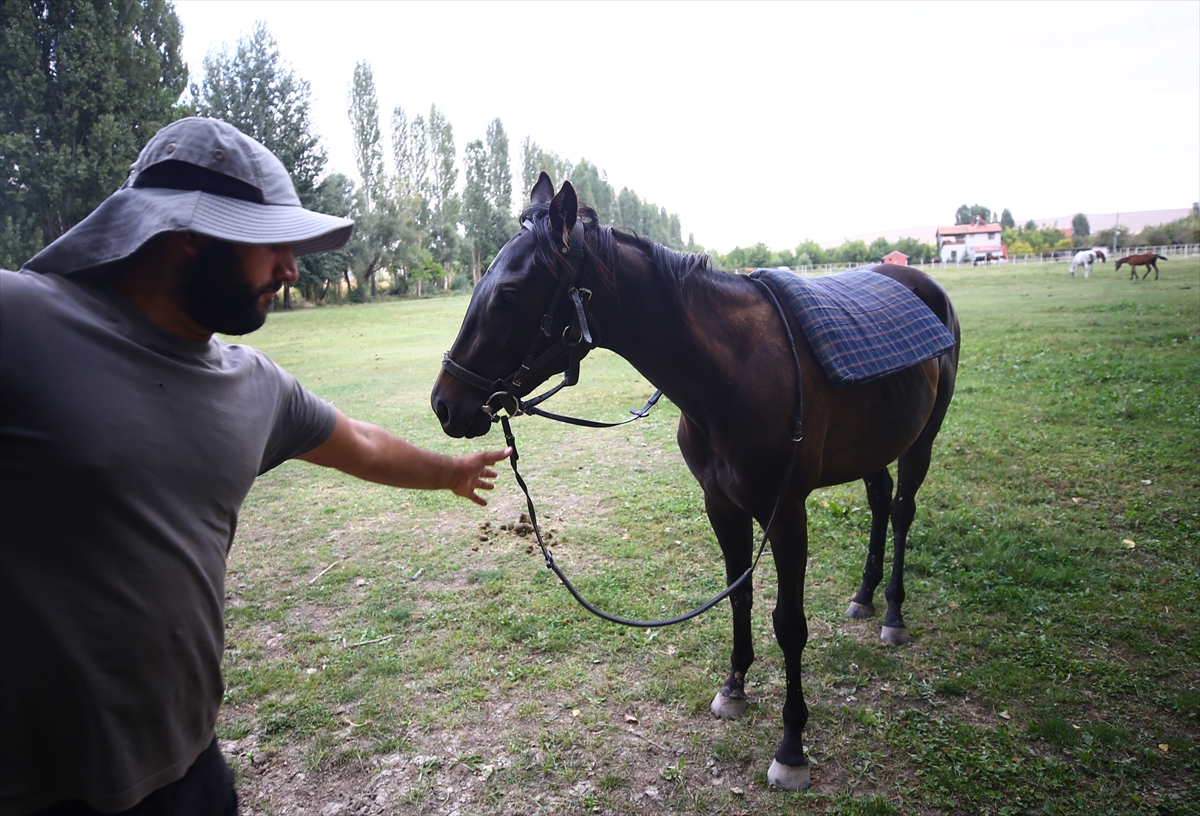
point(379, 225)
point(83, 86)
point(533, 161)
point(443, 201)
point(476, 208)
point(499, 187)
point(364, 120)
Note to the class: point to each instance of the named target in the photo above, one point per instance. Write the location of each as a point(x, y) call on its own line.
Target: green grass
point(1052, 660)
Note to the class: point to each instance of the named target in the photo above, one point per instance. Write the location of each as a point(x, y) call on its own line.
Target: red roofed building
point(969, 241)
point(897, 258)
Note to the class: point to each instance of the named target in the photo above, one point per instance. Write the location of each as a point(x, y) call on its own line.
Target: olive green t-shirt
point(125, 454)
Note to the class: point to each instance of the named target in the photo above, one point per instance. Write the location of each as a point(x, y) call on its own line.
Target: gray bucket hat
point(202, 175)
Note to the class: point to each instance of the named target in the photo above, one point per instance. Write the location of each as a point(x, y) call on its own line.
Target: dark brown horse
point(713, 342)
point(1146, 259)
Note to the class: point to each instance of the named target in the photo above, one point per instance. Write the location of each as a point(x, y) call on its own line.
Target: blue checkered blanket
point(861, 325)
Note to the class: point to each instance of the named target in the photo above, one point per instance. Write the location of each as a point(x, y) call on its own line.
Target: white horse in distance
point(1085, 258)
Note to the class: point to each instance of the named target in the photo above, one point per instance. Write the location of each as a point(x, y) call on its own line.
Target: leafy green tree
point(410, 191)
point(593, 189)
point(629, 211)
point(1031, 225)
point(444, 203)
point(879, 247)
point(364, 120)
point(253, 89)
point(966, 215)
point(487, 217)
point(810, 253)
point(324, 270)
point(1080, 226)
point(533, 161)
point(83, 86)
point(854, 252)
point(1006, 220)
point(499, 187)
point(1181, 231)
point(379, 222)
point(916, 250)
point(476, 209)
point(754, 257)
point(410, 154)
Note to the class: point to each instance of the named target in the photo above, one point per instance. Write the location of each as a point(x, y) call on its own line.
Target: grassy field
point(401, 652)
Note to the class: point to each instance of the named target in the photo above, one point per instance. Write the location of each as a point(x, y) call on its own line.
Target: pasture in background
point(396, 651)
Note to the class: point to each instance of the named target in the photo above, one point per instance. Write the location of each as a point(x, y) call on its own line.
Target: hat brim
point(131, 216)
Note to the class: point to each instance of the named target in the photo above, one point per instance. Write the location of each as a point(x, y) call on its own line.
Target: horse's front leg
point(734, 529)
point(789, 545)
point(879, 498)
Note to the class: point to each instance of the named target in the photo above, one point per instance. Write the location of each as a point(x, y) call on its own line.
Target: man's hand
point(371, 453)
point(476, 473)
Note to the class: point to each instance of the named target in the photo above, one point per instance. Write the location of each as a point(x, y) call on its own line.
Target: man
point(129, 437)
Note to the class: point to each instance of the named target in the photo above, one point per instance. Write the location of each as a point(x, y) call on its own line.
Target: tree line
point(85, 84)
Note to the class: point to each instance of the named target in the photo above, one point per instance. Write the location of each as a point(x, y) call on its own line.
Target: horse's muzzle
point(458, 408)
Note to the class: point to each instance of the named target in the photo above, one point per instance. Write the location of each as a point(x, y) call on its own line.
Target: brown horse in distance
point(714, 343)
point(1146, 259)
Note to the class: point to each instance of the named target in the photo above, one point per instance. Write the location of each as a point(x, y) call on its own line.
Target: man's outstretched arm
point(371, 453)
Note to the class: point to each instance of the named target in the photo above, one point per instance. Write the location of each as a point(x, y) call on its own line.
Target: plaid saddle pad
point(861, 325)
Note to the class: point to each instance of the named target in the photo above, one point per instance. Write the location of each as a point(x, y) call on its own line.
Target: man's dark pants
point(205, 790)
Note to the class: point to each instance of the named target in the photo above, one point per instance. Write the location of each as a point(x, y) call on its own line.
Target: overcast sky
point(778, 122)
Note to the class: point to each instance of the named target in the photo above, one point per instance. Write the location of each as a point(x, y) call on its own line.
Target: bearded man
point(129, 437)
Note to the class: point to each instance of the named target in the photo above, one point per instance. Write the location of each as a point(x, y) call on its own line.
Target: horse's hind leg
point(734, 531)
point(879, 497)
point(910, 473)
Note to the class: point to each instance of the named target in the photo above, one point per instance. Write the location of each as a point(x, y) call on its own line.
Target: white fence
point(1057, 256)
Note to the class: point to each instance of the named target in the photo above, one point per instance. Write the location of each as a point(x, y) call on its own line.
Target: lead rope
point(511, 441)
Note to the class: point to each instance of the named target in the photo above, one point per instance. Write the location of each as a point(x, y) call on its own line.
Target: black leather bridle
point(576, 340)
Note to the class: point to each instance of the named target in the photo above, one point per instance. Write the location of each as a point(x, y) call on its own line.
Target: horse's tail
point(1162, 257)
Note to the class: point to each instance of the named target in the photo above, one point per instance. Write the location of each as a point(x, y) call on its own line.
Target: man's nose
point(285, 265)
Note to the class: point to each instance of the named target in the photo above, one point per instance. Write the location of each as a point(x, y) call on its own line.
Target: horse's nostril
point(443, 413)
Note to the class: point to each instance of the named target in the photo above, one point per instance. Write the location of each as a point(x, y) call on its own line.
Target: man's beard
point(215, 293)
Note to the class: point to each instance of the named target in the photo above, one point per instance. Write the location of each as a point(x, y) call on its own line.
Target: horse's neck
point(686, 337)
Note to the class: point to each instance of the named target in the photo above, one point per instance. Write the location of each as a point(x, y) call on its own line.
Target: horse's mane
point(602, 242)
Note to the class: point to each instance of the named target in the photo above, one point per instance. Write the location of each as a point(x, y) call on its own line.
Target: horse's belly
point(871, 425)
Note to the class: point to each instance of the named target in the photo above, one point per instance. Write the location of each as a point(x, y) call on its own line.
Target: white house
point(966, 243)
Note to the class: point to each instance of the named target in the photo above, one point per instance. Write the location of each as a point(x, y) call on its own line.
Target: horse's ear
point(564, 211)
point(543, 191)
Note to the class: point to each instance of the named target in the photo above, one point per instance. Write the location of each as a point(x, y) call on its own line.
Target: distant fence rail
point(1057, 256)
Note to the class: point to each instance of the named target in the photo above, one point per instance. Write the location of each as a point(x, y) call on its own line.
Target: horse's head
point(1101, 256)
point(518, 330)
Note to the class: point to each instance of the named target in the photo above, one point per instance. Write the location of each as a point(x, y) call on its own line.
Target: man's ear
point(188, 243)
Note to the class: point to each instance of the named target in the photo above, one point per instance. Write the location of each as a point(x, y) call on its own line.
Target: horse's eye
point(509, 296)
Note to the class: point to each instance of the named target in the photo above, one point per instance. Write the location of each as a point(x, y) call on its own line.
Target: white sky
point(779, 121)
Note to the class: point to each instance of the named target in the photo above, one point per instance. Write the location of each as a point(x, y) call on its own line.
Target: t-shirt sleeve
point(303, 422)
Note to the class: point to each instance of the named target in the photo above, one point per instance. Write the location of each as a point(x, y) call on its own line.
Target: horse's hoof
point(728, 708)
point(895, 635)
point(788, 777)
point(860, 611)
